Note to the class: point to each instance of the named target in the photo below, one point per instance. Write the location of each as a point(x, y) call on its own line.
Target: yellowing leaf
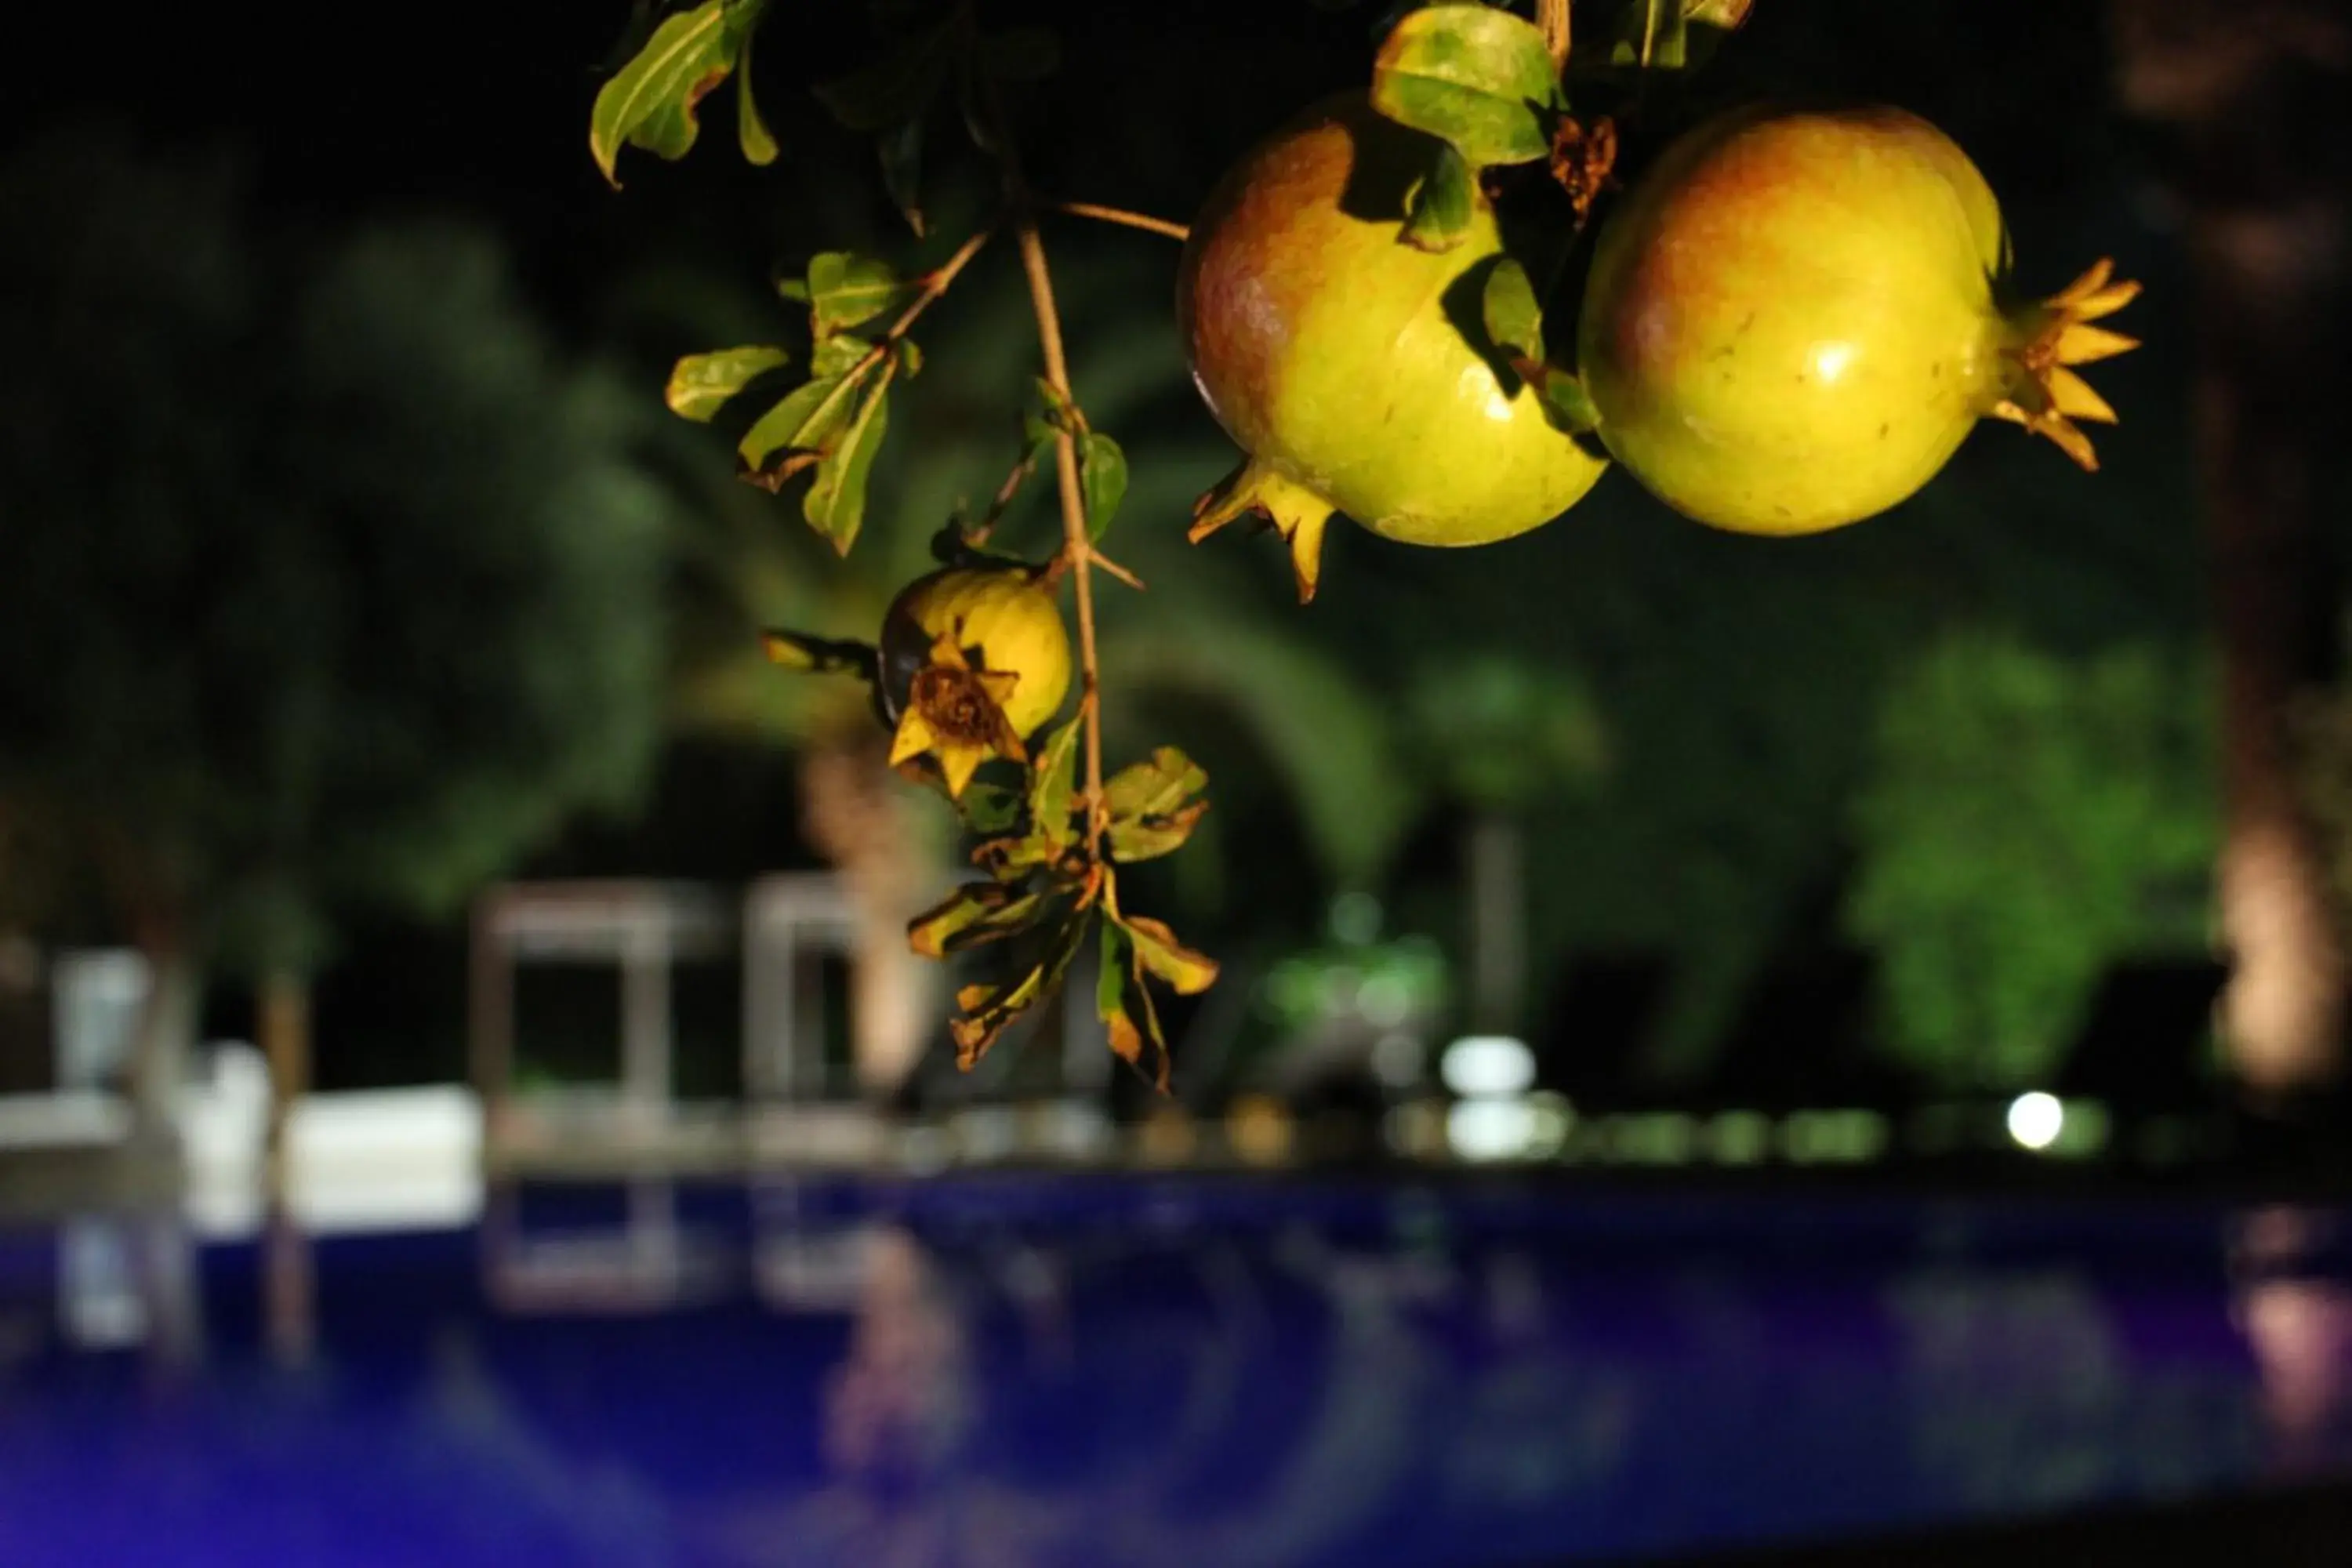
point(1127, 1040)
point(1013, 856)
point(701, 385)
point(1154, 804)
point(987, 1010)
point(973, 914)
point(1186, 972)
point(797, 650)
point(1155, 788)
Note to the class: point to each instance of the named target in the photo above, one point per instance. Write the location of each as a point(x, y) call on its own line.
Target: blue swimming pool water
point(1092, 1369)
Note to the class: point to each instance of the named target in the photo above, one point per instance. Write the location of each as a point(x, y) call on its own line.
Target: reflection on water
point(2300, 1326)
point(1058, 1372)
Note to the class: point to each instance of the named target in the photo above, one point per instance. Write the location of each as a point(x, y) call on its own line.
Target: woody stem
point(1124, 218)
point(1075, 547)
point(1551, 16)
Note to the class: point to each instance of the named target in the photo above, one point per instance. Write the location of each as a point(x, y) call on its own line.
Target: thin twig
point(1075, 547)
point(1123, 217)
point(936, 284)
point(1551, 16)
point(1114, 569)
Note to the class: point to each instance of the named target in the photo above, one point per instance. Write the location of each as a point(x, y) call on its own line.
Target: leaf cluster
point(1047, 886)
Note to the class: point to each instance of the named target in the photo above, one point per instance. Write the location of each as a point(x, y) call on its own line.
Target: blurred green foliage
point(324, 576)
point(2028, 818)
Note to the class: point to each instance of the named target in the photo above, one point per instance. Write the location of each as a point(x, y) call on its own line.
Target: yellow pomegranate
point(1340, 358)
point(972, 660)
point(1795, 318)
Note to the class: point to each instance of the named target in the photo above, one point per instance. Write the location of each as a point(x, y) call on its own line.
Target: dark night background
point(350, 569)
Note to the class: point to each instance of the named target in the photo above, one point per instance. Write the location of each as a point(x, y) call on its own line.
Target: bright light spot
point(2035, 1119)
point(1487, 1065)
point(1476, 381)
point(1491, 1129)
point(1829, 361)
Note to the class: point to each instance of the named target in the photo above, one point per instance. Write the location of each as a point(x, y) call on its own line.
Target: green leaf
point(987, 1010)
point(894, 89)
point(1156, 787)
point(1021, 53)
point(1154, 806)
point(807, 421)
point(1565, 401)
point(1150, 838)
point(1110, 979)
point(1126, 1039)
point(901, 152)
point(650, 102)
point(975, 913)
point(1157, 949)
point(990, 808)
point(836, 505)
point(909, 357)
point(1439, 208)
point(1478, 78)
point(846, 290)
point(839, 354)
point(1655, 36)
point(1052, 782)
point(701, 385)
point(758, 143)
point(1102, 474)
point(1514, 320)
